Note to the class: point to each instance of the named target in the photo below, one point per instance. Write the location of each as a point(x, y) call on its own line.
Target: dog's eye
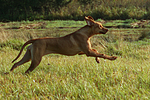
point(100, 26)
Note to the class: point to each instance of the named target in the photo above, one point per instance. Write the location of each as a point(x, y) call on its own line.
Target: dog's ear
point(89, 21)
point(90, 18)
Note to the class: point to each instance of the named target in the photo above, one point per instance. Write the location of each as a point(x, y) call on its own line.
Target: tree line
point(17, 10)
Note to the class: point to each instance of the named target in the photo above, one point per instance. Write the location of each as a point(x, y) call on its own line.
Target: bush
point(73, 9)
point(14, 44)
point(112, 51)
point(144, 34)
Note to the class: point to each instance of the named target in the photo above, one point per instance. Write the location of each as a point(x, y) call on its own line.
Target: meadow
point(77, 77)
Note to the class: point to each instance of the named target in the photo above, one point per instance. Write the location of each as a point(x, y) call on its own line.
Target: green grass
point(77, 77)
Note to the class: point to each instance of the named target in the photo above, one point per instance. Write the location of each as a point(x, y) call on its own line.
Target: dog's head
point(97, 27)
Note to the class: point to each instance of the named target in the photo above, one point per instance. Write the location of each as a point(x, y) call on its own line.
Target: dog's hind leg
point(26, 58)
point(36, 57)
point(35, 62)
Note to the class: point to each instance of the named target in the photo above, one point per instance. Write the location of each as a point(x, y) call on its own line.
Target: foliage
point(14, 44)
point(144, 34)
point(16, 10)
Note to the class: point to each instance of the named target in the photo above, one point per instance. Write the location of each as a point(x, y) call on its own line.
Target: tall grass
point(78, 77)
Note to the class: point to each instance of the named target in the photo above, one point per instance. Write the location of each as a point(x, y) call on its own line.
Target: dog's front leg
point(96, 58)
point(94, 53)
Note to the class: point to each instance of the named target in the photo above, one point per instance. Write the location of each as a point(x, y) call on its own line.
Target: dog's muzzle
point(104, 31)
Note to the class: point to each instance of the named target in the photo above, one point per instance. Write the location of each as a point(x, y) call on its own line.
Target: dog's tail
point(28, 42)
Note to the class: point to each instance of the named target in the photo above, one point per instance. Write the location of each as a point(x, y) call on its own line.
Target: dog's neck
point(86, 30)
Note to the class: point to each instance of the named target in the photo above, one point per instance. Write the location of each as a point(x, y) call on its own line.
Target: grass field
point(76, 77)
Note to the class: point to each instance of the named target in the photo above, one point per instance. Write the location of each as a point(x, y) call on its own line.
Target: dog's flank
point(77, 42)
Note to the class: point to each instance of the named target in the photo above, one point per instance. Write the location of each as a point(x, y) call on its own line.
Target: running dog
point(77, 42)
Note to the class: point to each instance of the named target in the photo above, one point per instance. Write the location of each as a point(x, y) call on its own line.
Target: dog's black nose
point(106, 30)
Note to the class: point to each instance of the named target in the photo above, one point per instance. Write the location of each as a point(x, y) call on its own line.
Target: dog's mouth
point(104, 32)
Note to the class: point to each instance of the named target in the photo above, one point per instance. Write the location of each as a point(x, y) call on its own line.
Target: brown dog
point(75, 43)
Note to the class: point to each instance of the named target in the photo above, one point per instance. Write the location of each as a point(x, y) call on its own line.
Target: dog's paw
point(97, 60)
point(113, 58)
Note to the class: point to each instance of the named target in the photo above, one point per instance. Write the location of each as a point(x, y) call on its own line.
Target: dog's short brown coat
point(77, 42)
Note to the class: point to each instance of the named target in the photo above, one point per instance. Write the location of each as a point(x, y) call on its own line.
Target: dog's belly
point(68, 52)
